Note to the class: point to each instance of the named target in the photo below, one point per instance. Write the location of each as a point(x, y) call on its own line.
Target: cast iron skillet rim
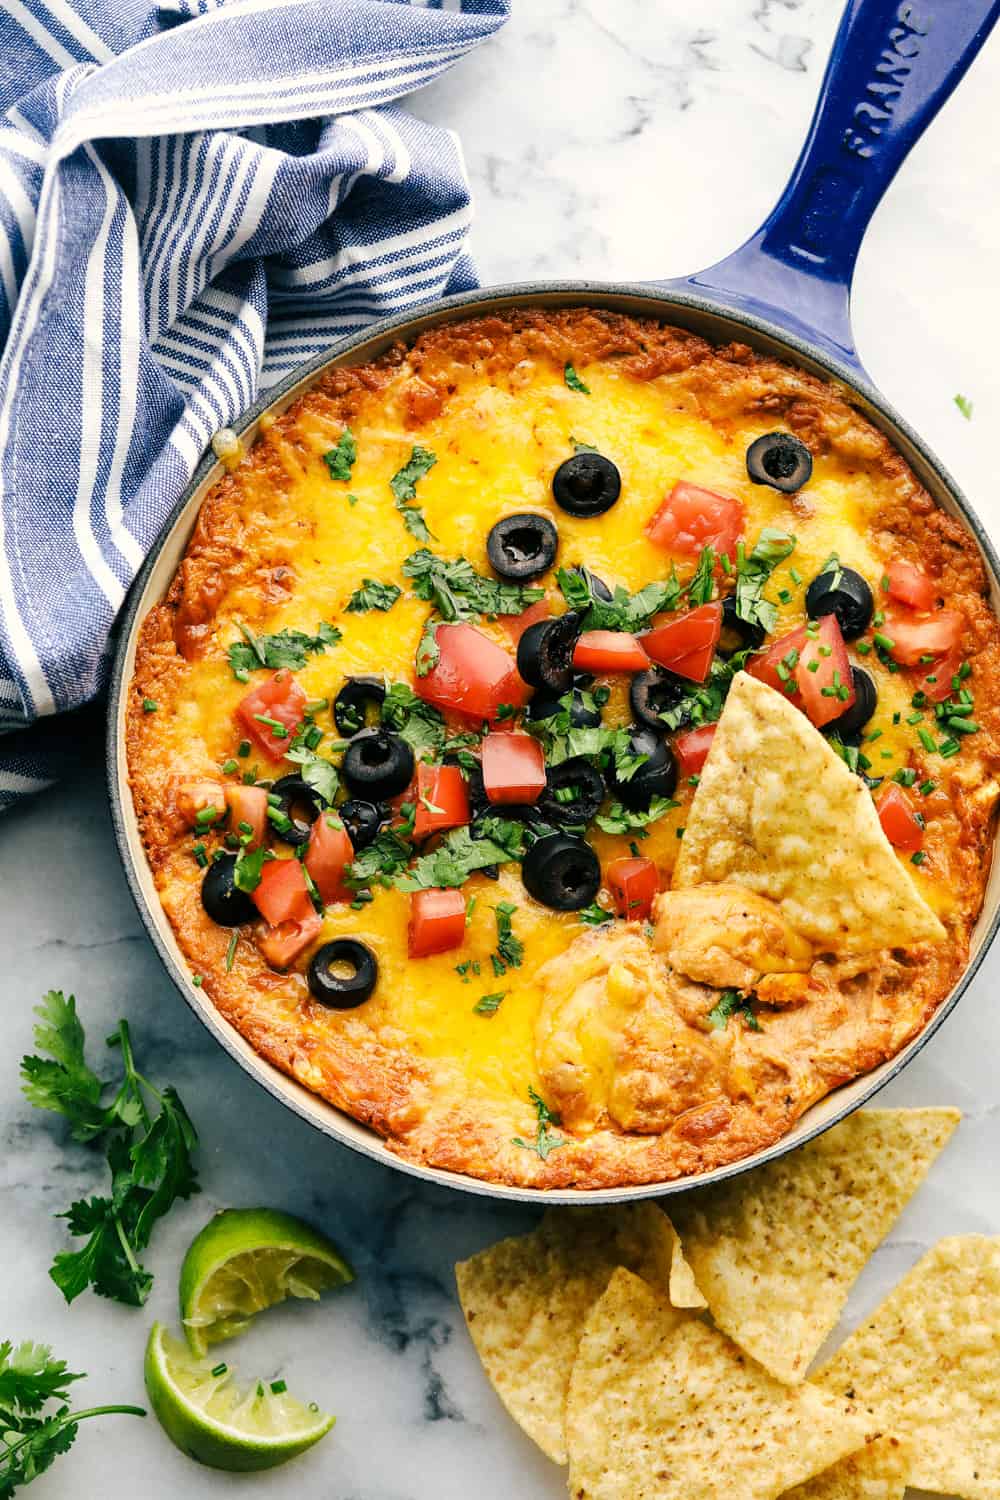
point(569, 294)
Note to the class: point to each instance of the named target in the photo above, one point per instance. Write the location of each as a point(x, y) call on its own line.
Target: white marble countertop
point(605, 138)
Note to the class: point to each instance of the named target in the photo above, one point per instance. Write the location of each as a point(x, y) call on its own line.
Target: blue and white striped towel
point(194, 197)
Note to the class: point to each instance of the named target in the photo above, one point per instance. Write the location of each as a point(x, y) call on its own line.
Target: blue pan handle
point(893, 65)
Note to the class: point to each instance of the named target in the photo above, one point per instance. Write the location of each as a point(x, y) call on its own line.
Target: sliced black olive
point(300, 803)
point(362, 821)
point(377, 764)
point(221, 896)
point(352, 703)
point(343, 973)
point(780, 460)
point(656, 777)
point(844, 593)
point(522, 546)
point(574, 791)
point(587, 484)
point(597, 586)
point(737, 634)
point(545, 705)
point(562, 872)
point(851, 722)
point(652, 693)
point(545, 652)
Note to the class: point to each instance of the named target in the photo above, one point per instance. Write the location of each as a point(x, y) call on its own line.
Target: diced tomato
point(686, 643)
point(633, 883)
point(329, 852)
point(472, 676)
point(442, 800)
point(282, 944)
point(940, 676)
point(786, 666)
point(910, 585)
point(279, 700)
point(609, 651)
point(248, 805)
point(437, 922)
point(282, 895)
point(914, 636)
point(899, 822)
point(513, 768)
point(194, 797)
point(516, 625)
point(691, 749)
point(691, 518)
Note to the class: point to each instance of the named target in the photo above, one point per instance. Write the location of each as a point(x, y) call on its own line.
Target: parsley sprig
point(148, 1139)
point(545, 1142)
point(404, 486)
point(288, 648)
point(31, 1438)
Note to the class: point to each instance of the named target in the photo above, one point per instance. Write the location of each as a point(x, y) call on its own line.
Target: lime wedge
point(208, 1416)
point(247, 1259)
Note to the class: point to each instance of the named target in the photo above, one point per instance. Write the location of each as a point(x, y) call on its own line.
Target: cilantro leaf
point(545, 1142)
point(404, 486)
point(62, 1081)
point(459, 854)
point(373, 595)
point(573, 380)
point(594, 915)
point(341, 459)
point(288, 648)
point(965, 407)
point(732, 1003)
point(248, 867)
point(458, 592)
point(488, 1005)
point(621, 819)
point(771, 548)
point(384, 857)
point(30, 1441)
point(510, 950)
point(148, 1156)
point(321, 774)
point(624, 611)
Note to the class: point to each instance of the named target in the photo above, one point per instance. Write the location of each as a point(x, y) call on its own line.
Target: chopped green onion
point(927, 740)
point(228, 767)
point(885, 642)
point(918, 858)
point(149, 705)
point(243, 749)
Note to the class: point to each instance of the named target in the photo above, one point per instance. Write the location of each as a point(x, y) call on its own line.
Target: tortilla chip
point(525, 1301)
point(928, 1361)
point(662, 1405)
point(876, 1473)
point(777, 1250)
point(778, 811)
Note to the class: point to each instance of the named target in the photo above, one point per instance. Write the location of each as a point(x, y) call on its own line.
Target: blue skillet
point(786, 292)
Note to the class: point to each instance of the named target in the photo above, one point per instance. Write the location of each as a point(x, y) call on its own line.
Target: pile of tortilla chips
point(667, 1357)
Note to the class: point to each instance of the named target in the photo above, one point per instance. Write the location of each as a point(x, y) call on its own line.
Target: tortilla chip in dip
point(662, 1405)
point(928, 1362)
point(777, 1250)
point(525, 1301)
point(779, 812)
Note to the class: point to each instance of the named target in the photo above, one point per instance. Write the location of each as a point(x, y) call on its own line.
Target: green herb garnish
point(732, 1003)
point(573, 380)
point(771, 548)
point(404, 486)
point(510, 950)
point(488, 1005)
point(373, 595)
point(965, 407)
point(149, 1154)
point(545, 1142)
point(459, 854)
point(341, 459)
point(594, 915)
point(288, 648)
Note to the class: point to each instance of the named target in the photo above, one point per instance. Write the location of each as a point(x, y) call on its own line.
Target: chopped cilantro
point(732, 1003)
point(624, 611)
point(404, 486)
point(581, 447)
point(771, 548)
point(965, 407)
point(381, 861)
point(459, 854)
point(149, 705)
point(319, 773)
point(341, 459)
point(621, 819)
point(594, 915)
point(545, 1142)
point(918, 858)
point(248, 867)
point(488, 1005)
point(373, 595)
point(458, 592)
point(288, 648)
point(510, 949)
point(419, 723)
point(573, 380)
